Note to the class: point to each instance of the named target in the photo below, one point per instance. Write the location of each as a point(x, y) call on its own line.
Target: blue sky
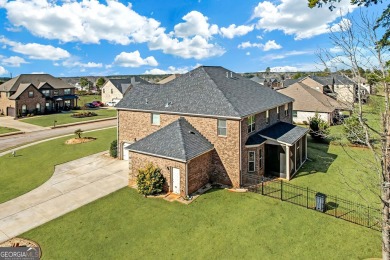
point(91, 37)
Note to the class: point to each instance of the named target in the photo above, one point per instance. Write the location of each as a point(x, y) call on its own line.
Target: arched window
point(24, 109)
point(38, 107)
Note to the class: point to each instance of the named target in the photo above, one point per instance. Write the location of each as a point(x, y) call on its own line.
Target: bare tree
point(356, 46)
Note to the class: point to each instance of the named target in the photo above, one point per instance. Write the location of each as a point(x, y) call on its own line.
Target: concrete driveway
point(72, 185)
point(7, 121)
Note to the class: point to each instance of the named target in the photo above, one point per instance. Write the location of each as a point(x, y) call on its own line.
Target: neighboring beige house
point(210, 125)
point(169, 78)
point(309, 101)
point(35, 94)
point(113, 90)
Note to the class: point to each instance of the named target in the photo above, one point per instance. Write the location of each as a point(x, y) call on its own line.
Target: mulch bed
point(80, 140)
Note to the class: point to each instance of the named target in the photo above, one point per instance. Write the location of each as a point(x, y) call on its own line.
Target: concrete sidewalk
point(7, 121)
point(72, 185)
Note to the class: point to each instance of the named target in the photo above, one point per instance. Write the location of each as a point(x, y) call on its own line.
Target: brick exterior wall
point(140, 161)
point(30, 102)
point(199, 171)
point(5, 102)
point(106, 92)
point(137, 125)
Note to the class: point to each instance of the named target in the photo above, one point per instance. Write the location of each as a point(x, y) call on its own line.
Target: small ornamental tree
point(150, 181)
point(319, 128)
point(114, 149)
point(78, 132)
point(354, 131)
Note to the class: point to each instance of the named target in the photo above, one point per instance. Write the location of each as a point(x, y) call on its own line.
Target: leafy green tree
point(354, 131)
point(150, 181)
point(319, 128)
point(268, 70)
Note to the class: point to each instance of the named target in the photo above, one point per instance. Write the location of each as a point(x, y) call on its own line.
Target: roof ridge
point(220, 91)
point(179, 121)
point(323, 95)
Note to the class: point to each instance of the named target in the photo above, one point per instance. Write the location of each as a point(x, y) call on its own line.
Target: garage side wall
point(140, 161)
point(199, 171)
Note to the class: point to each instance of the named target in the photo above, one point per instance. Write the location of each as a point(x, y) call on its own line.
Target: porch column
point(295, 157)
point(306, 147)
point(287, 162)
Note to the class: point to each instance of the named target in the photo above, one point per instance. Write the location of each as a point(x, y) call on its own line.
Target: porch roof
point(63, 97)
point(284, 133)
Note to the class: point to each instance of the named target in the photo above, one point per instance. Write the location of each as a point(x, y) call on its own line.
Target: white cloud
point(295, 18)
point(269, 45)
point(298, 67)
point(233, 30)
point(3, 71)
point(87, 21)
point(36, 51)
point(13, 61)
point(172, 70)
point(134, 60)
point(38, 72)
point(74, 62)
point(195, 24)
point(196, 47)
point(247, 53)
point(286, 54)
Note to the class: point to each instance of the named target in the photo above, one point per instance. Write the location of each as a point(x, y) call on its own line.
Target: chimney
point(132, 80)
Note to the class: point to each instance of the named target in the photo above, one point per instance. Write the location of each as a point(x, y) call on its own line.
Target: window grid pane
point(251, 161)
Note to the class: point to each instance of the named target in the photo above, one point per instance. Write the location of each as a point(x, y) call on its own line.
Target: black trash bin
point(320, 202)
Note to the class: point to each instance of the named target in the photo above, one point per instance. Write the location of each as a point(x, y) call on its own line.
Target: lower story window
point(38, 107)
point(295, 113)
point(260, 158)
point(251, 161)
point(24, 109)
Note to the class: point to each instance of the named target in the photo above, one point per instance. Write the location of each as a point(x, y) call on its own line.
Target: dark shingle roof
point(123, 84)
point(36, 80)
point(255, 139)
point(210, 91)
point(289, 82)
point(284, 132)
point(178, 140)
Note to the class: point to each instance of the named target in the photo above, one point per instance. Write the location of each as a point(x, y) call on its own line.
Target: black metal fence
point(328, 204)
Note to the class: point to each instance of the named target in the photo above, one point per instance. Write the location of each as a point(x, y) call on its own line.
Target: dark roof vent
point(146, 100)
point(192, 132)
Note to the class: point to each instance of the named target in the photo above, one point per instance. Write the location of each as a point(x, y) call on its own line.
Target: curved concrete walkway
point(72, 185)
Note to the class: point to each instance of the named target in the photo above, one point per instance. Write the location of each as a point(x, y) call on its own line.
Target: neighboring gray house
point(114, 89)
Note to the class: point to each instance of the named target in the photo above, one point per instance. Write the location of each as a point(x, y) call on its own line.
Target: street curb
point(12, 133)
point(83, 122)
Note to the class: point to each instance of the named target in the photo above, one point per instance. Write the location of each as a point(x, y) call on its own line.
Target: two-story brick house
point(35, 93)
point(210, 125)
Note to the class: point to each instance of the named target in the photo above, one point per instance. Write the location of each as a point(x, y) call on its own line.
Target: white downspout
point(240, 153)
point(287, 162)
point(186, 180)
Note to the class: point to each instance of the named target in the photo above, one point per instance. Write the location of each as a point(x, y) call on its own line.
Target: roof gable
point(36, 80)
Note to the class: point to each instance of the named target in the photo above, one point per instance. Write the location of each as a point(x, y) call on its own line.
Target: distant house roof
point(123, 84)
point(334, 79)
point(35, 79)
point(209, 91)
point(258, 80)
point(169, 78)
point(289, 82)
point(309, 99)
point(178, 140)
point(284, 133)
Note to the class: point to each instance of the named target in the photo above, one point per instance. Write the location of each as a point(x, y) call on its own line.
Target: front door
point(176, 180)
point(125, 152)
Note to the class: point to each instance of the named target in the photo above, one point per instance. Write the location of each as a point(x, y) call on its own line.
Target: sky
point(91, 37)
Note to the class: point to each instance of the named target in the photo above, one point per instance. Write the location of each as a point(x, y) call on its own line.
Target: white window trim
point(267, 117)
point(159, 118)
point(218, 127)
point(252, 126)
point(254, 161)
point(286, 109)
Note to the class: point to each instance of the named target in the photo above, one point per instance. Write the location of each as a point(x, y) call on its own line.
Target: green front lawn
point(5, 130)
point(34, 165)
point(65, 118)
point(218, 225)
point(88, 99)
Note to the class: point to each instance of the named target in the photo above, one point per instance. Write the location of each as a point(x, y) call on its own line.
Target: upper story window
point(295, 113)
point(112, 91)
point(222, 128)
point(31, 94)
point(278, 112)
point(267, 117)
point(286, 109)
point(251, 124)
point(67, 91)
point(8, 94)
point(46, 92)
point(251, 161)
point(55, 92)
point(104, 91)
point(155, 119)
